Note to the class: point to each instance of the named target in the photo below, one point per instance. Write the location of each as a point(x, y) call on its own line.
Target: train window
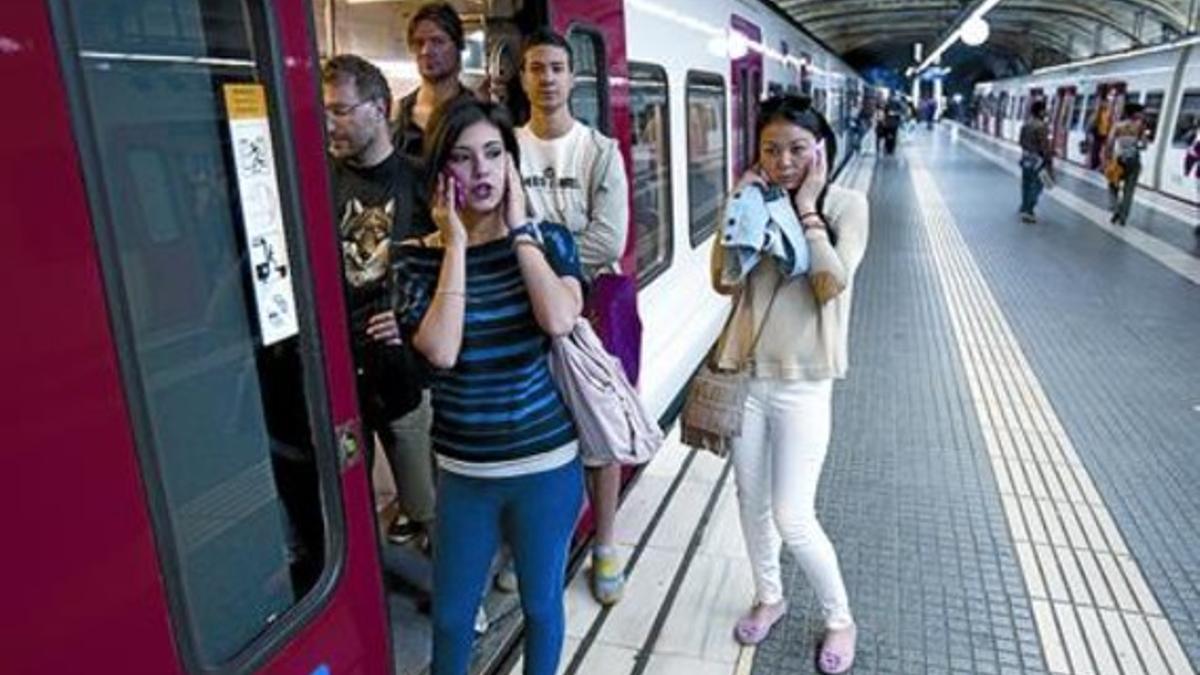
point(1189, 119)
point(189, 181)
point(708, 179)
point(1153, 103)
point(589, 97)
point(649, 104)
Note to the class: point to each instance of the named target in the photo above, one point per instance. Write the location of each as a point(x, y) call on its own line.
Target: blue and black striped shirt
point(499, 404)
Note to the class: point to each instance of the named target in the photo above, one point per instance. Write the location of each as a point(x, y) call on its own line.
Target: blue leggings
point(535, 515)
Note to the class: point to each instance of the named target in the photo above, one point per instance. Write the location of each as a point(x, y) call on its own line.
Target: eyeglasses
point(343, 109)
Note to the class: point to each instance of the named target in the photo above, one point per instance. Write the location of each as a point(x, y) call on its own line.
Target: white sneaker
point(481, 621)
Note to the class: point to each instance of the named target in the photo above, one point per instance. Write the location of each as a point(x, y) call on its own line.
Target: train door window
point(1153, 103)
point(708, 178)
point(649, 104)
point(589, 97)
point(1077, 111)
point(1093, 107)
point(1189, 119)
point(190, 184)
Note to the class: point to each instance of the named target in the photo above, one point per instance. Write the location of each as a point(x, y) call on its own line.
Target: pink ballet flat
point(754, 627)
point(837, 651)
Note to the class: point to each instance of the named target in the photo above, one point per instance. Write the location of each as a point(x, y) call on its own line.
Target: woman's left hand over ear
point(515, 214)
point(814, 182)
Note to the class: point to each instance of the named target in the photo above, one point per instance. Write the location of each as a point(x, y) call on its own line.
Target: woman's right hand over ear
point(445, 215)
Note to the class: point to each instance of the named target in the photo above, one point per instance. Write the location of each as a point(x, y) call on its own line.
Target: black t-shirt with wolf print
point(375, 209)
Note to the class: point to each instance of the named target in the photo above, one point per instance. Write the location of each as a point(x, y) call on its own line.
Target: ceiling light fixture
point(977, 15)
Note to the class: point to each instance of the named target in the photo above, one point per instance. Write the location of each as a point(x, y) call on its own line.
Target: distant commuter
point(1098, 128)
point(482, 298)
point(1036, 156)
point(379, 202)
point(801, 348)
point(435, 41)
point(575, 176)
point(1191, 166)
point(1125, 152)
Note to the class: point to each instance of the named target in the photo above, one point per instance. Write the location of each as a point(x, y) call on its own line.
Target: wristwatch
point(528, 232)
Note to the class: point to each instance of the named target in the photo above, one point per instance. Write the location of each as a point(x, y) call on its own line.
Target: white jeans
point(778, 462)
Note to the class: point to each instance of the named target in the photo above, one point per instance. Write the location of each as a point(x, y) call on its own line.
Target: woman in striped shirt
point(481, 299)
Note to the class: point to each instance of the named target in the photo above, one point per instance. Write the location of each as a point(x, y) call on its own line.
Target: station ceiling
point(1025, 34)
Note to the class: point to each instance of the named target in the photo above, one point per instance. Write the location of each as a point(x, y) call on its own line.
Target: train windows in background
point(1153, 103)
point(589, 96)
point(708, 179)
point(220, 412)
point(1188, 120)
point(650, 107)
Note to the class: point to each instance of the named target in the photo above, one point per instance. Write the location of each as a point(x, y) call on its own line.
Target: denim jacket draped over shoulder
point(761, 222)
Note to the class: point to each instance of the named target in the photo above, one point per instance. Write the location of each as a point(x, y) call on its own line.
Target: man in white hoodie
point(574, 175)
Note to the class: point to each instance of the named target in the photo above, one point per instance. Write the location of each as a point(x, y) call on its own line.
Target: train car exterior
point(186, 470)
point(1164, 79)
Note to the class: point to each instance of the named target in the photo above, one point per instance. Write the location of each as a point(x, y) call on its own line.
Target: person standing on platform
point(1036, 156)
point(575, 176)
point(1125, 149)
point(435, 41)
point(1191, 166)
point(481, 300)
point(379, 202)
point(791, 337)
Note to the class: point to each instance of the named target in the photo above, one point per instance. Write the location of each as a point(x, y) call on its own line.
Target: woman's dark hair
point(799, 110)
point(449, 121)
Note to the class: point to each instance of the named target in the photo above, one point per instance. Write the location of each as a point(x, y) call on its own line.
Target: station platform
point(1012, 482)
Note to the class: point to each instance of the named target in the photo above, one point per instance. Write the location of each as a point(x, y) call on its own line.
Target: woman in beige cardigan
point(801, 350)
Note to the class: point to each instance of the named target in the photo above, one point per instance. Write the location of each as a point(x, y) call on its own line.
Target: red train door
point(745, 79)
point(177, 367)
point(596, 31)
point(1061, 120)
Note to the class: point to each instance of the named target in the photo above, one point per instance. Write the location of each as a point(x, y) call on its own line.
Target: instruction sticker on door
point(262, 217)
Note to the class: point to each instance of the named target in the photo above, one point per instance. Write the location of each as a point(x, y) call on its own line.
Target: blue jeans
point(1031, 189)
point(535, 515)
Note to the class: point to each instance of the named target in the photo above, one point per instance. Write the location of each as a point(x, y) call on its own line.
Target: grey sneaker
point(608, 579)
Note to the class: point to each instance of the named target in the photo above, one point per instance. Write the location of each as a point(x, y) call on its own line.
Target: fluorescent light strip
point(1122, 55)
point(166, 58)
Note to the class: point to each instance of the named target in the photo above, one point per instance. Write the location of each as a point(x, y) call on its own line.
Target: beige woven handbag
point(716, 399)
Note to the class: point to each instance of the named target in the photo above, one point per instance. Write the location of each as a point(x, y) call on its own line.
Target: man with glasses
point(435, 40)
point(379, 202)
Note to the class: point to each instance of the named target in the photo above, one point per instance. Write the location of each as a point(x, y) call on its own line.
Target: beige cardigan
point(801, 340)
